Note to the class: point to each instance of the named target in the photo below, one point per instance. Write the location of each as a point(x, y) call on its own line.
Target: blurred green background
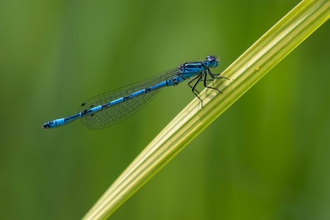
point(266, 157)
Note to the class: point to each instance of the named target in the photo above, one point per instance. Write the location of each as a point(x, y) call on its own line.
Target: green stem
point(251, 66)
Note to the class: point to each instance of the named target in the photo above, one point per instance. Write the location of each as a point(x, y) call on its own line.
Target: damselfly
point(112, 107)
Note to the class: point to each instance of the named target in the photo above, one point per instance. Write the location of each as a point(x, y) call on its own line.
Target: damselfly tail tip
point(45, 126)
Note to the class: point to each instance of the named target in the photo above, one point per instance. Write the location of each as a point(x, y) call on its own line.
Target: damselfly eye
point(211, 58)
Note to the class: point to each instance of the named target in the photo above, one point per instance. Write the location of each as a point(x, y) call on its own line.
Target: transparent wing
point(117, 113)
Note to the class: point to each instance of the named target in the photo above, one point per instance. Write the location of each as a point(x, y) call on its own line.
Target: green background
point(266, 157)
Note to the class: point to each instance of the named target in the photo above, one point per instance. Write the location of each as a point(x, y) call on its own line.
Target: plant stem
point(250, 67)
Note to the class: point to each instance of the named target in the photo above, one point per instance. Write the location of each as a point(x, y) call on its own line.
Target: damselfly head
point(212, 61)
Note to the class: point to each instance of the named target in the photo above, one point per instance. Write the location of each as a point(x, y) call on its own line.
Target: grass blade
point(250, 67)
